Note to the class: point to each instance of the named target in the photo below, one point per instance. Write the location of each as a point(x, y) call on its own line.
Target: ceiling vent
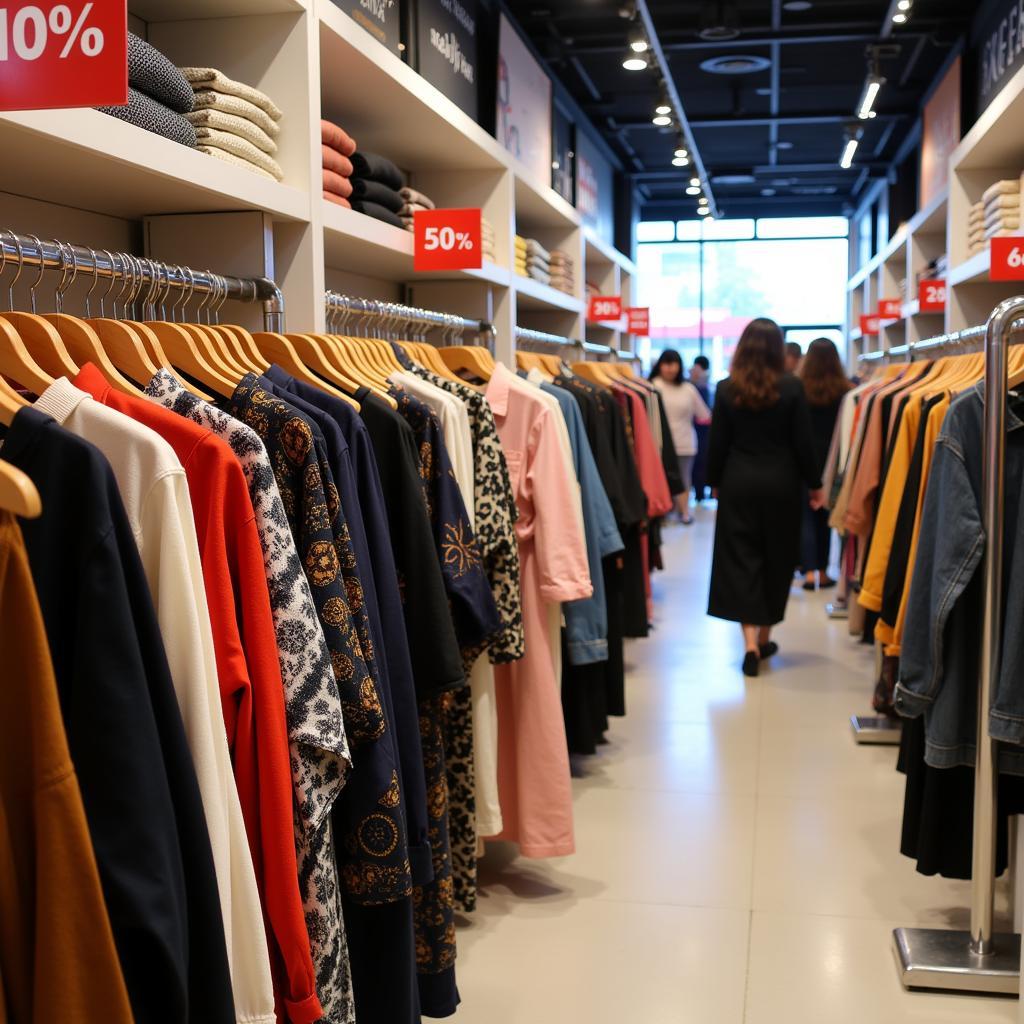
point(719, 21)
point(735, 64)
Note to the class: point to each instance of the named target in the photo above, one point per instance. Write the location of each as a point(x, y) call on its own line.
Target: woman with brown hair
point(759, 455)
point(825, 382)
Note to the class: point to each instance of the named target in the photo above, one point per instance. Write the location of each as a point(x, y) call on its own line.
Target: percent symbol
point(465, 241)
point(61, 22)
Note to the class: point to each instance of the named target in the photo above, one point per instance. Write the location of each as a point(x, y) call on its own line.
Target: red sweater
point(249, 674)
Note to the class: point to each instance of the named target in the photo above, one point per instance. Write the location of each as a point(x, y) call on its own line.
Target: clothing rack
point(393, 318)
point(979, 960)
point(529, 336)
point(152, 277)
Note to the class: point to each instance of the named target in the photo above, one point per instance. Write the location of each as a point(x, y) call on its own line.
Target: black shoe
point(810, 585)
point(826, 583)
point(751, 664)
point(769, 649)
point(688, 522)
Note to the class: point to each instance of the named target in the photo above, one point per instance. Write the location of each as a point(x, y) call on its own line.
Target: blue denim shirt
point(941, 646)
point(586, 620)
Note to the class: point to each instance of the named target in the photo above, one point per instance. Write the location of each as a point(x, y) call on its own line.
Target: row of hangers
point(954, 372)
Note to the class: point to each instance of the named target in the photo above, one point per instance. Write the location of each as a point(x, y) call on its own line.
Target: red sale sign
point(869, 323)
point(638, 320)
point(890, 309)
point(72, 54)
point(604, 308)
point(931, 296)
point(447, 240)
point(1006, 259)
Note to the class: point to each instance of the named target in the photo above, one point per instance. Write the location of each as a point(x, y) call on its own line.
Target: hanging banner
point(605, 308)
point(446, 49)
point(524, 104)
point(869, 323)
point(638, 320)
point(890, 309)
point(1006, 260)
point(63, 54)
point(447, 240)
point(931, 296)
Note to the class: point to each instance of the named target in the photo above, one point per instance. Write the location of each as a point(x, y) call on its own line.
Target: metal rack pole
point(338, 303)
point(51, 255)
point(979, 960)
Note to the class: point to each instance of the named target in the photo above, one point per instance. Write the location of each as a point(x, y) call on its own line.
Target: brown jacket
point(57, 956)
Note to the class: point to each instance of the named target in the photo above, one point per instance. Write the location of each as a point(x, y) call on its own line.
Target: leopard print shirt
point(318, 747)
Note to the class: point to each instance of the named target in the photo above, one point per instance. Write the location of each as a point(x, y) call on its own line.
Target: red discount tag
point(638, 320)
point(1006, 260)
point(931, 296)
point(890, 309)
point(447, 240)
point(869, 323)
point(605, 308)
point(72, 54)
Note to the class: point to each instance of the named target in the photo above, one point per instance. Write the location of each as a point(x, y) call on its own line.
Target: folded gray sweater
point(146, 113)
point(152, 73)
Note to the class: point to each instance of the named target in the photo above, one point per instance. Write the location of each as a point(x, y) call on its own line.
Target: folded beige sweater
point(237, 146)
point(211, 78)
point(207, 99)
point(237, 161)
point(240, 126)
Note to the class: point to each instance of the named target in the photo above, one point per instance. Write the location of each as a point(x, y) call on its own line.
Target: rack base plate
point(875, 729)
point(942, 959)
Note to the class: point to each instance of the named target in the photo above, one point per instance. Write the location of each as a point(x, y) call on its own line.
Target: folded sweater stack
point(412, 201)
point(533, 260)
point(235, 122)
point(997, 214)
point(336, 148)
point(487, 242)
point(158, 95)
point(376, 188)
point(563, 272)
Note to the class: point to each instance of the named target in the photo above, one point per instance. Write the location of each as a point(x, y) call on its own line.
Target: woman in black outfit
point(760, 453)
point(825, 382)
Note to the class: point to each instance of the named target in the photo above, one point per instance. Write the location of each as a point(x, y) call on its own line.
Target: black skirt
point(757, 540)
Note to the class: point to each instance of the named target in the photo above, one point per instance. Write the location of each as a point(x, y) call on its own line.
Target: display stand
point(979, 960)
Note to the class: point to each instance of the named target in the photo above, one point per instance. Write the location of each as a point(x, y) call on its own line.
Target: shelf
point(93, 161)
point(994, 140)
point(364, 245)
point(389, 109)
point(932, 219)
point(534, 295)
point(911, 309)
point(599, 251)
point(539, 206)
point(188, 10)
point(972, 271)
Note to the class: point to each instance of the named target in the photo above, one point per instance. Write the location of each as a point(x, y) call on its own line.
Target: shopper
point(794, 357)
point(760, 453)
point(825, 382)
point(683, 407)
point(700, 378)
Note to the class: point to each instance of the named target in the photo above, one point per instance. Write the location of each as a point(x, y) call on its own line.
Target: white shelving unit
point(82, 176)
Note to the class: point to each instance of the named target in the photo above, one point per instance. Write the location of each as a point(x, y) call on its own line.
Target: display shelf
point(189, 10)
point(931, 220)
point(538, 206)
point(912, 309)
point(597, 250)
point(994, 140)
point(972, 271)
point(361, 244)
point(533, 295)
point(388, 108)
point(92, 161)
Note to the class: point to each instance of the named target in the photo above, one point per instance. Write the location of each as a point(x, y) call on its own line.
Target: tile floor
point(737, 852)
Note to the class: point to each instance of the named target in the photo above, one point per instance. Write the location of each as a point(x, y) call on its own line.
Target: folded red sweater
point(339, 200)
point(337, 138)
point(337, 184)
point(337, 162)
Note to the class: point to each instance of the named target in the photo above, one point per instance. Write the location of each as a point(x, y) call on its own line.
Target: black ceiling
point(782, 126)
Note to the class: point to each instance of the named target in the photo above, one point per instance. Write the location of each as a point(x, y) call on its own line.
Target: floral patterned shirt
point(320, 759)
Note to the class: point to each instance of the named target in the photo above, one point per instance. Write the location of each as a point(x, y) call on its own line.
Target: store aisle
point(738, 853)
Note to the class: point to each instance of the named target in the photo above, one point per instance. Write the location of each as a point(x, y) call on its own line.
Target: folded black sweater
point(376, 192)
point(377, 168)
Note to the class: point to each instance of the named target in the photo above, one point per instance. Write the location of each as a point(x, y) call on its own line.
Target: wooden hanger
point(114, 346)
point(594, 372)
point(238, 341)
point(45, 342)
point(345, 354)
point(16, 362)
point(184, 353)
point(155, 351)
point(472, 359)
point(311, 353)
point(426, 355)
point(216, 350)
point(279, 349)
point(18, 494)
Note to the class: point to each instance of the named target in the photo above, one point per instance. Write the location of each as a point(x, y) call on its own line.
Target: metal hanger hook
point(42, 269)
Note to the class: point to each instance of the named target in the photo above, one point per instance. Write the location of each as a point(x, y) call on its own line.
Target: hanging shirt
point(533, 771)
point(320, 758)
point(124, 730)
point(58, 970)
point(251, 690)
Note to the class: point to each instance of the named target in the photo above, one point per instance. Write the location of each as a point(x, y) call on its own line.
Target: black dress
point(817, 534)
point(758, 460)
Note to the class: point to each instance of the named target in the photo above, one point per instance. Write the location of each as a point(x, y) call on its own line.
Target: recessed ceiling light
point(693, 190)
point(735, 64)
point(635, 62)
point(703, 211)
point(680, 161)
point(899, 17)
point(695, 181)
point(783, 145)
point(661, 120)
point(797, 5)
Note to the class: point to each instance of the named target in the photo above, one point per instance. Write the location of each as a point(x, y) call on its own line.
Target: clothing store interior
point(519, 523)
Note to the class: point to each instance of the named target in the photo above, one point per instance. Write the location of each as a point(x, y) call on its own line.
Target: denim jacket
point(941, 647)
point(586, 620)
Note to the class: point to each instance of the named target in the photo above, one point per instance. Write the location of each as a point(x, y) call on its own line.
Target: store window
point(706, 285)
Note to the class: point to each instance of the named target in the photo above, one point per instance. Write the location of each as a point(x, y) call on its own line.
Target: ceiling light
point(736, 64)
point(703, 201)
point(635, 61)
point(636, 39)
point(903, 5)
point(661, 120)
point(868, 96)
point(693, 190)
point(703, 211)
point(852, 139)
point(783, 145)
point(695, 181)
point(664, 103)
point(681, 152)
point(899, 18)
point(680, 161)
point(719, 21)
point(797, 5)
